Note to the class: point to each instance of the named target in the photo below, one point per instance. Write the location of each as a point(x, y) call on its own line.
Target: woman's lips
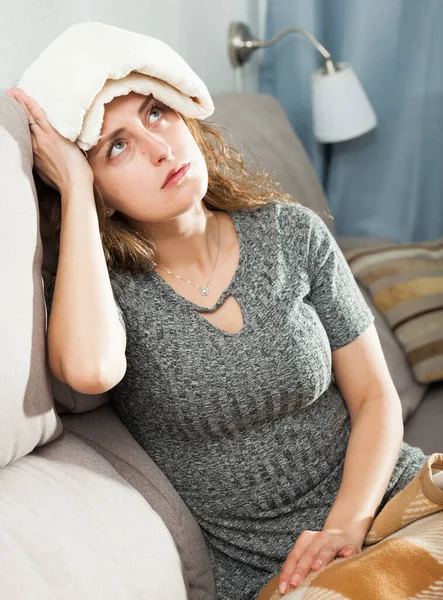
point(178, 176)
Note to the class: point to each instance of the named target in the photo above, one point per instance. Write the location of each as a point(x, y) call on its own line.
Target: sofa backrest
point(27, 415)
point(257, 125)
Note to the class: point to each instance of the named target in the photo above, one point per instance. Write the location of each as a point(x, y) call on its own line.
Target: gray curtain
point(389, 182)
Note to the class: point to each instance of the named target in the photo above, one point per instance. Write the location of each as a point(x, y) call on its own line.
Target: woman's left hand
point(312, 547)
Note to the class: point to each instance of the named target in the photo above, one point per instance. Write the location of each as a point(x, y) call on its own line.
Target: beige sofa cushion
point(411, 391)
point(27, 415)
point(405, 282)
point(103, 430)
point(72, 527)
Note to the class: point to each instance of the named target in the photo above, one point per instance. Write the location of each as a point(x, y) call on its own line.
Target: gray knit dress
point(250, 427)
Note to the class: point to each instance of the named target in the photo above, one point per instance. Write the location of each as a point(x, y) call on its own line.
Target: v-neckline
point(237, 274)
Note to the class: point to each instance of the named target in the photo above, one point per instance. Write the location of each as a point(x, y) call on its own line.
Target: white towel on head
point(90, 63)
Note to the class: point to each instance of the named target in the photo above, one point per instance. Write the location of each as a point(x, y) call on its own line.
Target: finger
point(23, 100)
point(349, 550)
point(19, 96)
point(38, 114)
point(290, 564)
point(31, 117)
point(324, 557)
point(306, 561)
point(303, 542)
point(11, 93)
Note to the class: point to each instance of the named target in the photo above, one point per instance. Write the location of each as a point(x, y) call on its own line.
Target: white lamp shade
point(341, 109)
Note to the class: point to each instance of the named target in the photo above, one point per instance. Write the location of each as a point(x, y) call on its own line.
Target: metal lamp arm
point(241, 44)
point(314, 41)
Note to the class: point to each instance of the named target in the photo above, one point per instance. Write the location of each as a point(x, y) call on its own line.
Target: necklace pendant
point(204, 291)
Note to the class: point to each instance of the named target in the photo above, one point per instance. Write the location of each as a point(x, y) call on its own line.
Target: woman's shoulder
point(298, 213)
point(295, 208)
point(288, 216)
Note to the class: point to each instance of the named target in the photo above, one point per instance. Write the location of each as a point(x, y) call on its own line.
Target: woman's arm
point(377, 431)
point(86, 341)
point(374, 407)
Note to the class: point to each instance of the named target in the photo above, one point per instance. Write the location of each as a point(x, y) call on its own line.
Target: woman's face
point(130, 167)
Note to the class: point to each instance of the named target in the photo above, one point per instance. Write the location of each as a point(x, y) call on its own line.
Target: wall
point(196, 29)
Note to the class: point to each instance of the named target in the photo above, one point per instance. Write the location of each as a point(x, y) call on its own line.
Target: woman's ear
point(109, 211)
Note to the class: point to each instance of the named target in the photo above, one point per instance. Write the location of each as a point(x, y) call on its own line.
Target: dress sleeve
point(334, 293)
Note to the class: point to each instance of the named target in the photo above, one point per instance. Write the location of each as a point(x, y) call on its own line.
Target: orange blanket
point(402, 555)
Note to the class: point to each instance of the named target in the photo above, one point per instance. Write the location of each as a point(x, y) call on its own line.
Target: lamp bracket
point(241, 44)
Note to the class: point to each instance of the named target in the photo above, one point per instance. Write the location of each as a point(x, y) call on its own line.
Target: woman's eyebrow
point(117, 132)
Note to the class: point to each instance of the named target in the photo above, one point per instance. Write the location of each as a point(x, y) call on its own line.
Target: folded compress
point(91, 63)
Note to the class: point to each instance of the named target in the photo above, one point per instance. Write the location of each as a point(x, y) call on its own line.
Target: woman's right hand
point(58, 161)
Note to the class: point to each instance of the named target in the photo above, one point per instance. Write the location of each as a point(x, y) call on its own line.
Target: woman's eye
point(155, 112)
point(152, 112)
point(114, 146)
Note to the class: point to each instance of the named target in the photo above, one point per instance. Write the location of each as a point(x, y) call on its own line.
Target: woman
point(235, 343)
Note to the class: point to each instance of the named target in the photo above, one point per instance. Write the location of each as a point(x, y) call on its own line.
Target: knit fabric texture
point(250, 427)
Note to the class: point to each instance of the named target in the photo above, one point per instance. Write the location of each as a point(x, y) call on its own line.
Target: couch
point(84, 511)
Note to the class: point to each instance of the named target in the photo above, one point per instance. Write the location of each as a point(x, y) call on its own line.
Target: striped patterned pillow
point(405, 282)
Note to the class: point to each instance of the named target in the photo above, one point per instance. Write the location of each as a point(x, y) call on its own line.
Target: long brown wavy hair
point(231, 186)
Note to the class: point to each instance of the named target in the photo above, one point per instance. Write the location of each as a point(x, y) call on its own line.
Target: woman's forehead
point(121, 101)
point(120, 105)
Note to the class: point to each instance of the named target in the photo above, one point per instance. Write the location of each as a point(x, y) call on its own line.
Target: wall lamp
point(340, 108)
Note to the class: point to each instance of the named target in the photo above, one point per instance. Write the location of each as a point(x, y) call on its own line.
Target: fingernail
point(283, 588)
point(318, 562)
point(296, 579)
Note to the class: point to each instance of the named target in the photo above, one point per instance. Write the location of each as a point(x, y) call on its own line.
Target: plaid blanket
point(402, 555)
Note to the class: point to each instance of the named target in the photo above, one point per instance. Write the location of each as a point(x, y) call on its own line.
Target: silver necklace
point(203, 289)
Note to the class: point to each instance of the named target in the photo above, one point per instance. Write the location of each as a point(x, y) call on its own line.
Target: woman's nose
point(155, 147)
